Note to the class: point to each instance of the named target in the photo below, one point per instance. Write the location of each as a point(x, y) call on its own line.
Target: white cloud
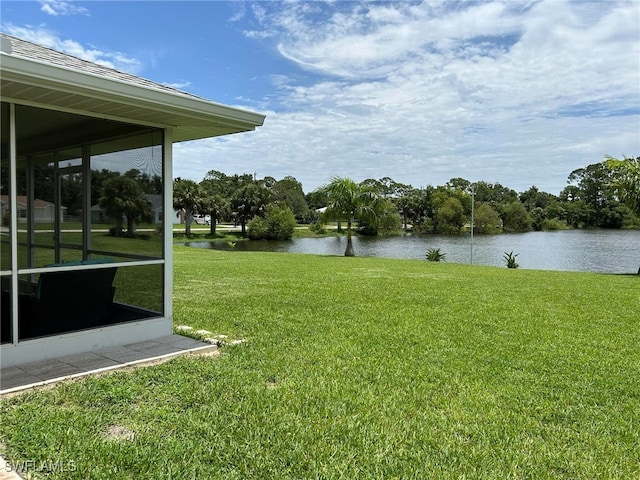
point(515, 92)
point(42, 36)
point(181, 85)
point(239, 11)
point(59, 7)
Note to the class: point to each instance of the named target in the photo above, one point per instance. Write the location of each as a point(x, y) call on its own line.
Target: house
point(156, 207)
point(98, 215)
point(64, 123)
point(43, 211)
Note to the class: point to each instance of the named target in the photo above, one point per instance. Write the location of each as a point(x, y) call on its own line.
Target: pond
point(606, 251)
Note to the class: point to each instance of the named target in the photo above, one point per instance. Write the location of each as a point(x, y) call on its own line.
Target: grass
point(363, 368)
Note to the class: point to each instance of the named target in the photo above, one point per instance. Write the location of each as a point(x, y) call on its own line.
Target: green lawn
point(363, 368)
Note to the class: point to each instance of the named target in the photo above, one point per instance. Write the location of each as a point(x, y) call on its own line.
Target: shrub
point(278, 224)
point(317, 228)
point(434, 255)
point(257, 228)
point(510, 259)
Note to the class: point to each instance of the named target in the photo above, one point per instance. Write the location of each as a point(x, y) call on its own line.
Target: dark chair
point(67, 301)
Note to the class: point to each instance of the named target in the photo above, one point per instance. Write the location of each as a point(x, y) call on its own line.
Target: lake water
point(606, 251)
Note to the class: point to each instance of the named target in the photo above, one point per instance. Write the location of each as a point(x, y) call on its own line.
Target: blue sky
point(519, 92)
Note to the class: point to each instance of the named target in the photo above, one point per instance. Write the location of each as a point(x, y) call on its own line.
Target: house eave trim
point(195, 111)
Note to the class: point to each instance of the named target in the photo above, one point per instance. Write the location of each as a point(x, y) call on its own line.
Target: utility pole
point(473, 201)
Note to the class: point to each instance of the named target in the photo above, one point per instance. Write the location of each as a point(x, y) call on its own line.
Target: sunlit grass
point(364, 368)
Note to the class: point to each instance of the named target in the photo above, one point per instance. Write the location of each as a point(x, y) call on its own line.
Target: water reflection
point(607, 251)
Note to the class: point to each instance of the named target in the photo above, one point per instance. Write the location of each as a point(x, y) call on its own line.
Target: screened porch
point(84, 265)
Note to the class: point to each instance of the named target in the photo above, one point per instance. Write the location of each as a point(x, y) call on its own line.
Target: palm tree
point(348, 200)
point(214, 205)
point(187, 196)
point(123, 197)
point(248, 201)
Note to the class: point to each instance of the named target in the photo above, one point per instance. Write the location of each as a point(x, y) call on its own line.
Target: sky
point(516, 92)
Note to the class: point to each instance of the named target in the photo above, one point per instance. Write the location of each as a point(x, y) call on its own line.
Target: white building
point(67, 291)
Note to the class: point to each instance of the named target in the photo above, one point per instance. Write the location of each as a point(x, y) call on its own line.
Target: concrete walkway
point(45, 372)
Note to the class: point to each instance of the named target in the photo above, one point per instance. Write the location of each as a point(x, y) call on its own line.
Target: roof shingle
point(33, 51)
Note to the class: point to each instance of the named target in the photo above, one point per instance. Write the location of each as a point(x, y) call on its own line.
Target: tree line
point(603, 195)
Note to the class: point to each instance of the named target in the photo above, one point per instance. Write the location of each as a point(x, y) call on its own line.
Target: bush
point(317, 228)
point(554, 224)
point(257, 228)
point(425, 225)
point(278, 224)
point(510, 260)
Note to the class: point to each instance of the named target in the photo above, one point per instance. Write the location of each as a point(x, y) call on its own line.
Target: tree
point(625, 181)
point(417, 206)
point(515, 217)
point(592, 190)
point(349, 201)
point(71, 193)
point(217, 190)
point(486, 219)
point(450, 216)
point(288, 191)
point(248, 201)
point(386, 187)
point(98, 178)
point(213, 205)
point(493, 193)
point(151, 185)
point(406, 201)
point(458, 183)
point(187, 196)
point(122, 197)
point(615, 215)
point(534, 198)
point(216, 182)
point(396, 199)
point(316, 199)
point(387, 219)
point(578, 214)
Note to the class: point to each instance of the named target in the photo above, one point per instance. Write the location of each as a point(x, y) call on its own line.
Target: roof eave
point(191, 117)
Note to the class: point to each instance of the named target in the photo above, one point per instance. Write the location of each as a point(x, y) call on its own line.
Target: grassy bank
point(363, 368)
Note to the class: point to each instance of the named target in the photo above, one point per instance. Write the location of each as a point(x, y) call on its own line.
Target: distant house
point(156, 207)
point(43, 211)
point(98, 214)
point(62, 120)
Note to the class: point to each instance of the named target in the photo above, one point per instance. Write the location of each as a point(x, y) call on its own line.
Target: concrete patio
point(45, 372)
